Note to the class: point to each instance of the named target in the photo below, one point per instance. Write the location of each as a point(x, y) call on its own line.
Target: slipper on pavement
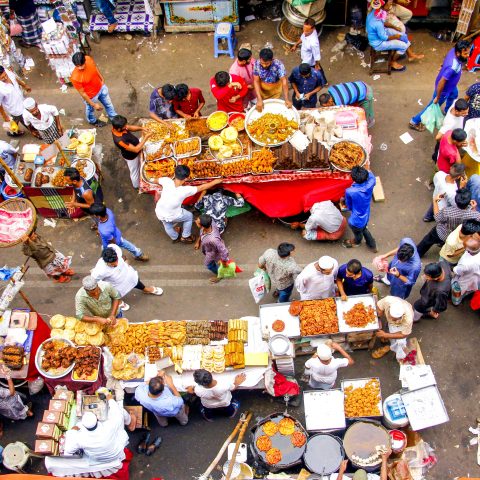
point(418, 127)
point(399, 69)
point(157, 291)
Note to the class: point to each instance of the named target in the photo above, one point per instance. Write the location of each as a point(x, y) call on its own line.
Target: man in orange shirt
point(90, 84)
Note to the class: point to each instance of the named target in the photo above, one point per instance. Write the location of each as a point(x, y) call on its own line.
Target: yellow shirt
point(452, 244)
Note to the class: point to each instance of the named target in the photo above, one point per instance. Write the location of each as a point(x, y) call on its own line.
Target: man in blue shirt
point(161, 397)
point(306, 83)
point(357, 200)
point(446, 90)
point(353, 279)
point(109, 232)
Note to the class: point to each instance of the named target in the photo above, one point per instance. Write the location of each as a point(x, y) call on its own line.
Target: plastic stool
point(224, 31)
point(16, 455)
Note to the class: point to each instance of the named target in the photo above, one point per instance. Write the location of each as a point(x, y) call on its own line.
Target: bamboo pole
point(237, 445)
point(60, 149)
point(12, 176)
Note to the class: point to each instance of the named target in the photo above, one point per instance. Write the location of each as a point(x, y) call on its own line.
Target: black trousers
point(140, 285)
point(430, 239)
point(359, 233)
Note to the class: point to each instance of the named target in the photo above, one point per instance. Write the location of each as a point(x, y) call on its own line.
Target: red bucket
point(399, 441)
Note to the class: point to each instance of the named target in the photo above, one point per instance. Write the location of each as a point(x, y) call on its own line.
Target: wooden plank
point(378, 193)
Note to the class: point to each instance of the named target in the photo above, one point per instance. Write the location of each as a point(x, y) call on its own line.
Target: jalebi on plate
point(286, 426)
point(270, 428)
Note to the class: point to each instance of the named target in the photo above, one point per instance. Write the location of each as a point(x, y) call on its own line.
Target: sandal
point(214, 280)
point(190, 239)
point(380, 352)
point(142, 446)
point(179, 231)
point(157, 291)
point(62, 279)
point(418, 127)
point(152, 448)
point(69, 272)
point(349, 244)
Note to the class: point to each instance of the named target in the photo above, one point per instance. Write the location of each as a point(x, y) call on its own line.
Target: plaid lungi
point(31, 29)
point(50, 134)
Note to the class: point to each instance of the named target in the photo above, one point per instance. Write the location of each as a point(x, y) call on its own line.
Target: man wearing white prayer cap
point(399, 318)
point(42, 120)
point(102, 444)
point(323, 366)
point(317, 279)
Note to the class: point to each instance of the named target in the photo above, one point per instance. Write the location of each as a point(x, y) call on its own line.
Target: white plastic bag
point(35, 386)
point(257, 287)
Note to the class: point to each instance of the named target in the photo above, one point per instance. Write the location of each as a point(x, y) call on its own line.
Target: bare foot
point(133, 423)
point(214, 280)
point(415, 56)
point(397, 66)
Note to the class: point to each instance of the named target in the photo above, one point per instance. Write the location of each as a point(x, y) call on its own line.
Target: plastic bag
point(227, 271)
point(266, 277)
point(360, 42)
point(299, 3)
point(432, 117)
point(257, 287)
point(35, 386)
point(380, 264)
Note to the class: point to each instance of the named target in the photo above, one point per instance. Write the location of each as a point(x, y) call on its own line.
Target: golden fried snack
point(159, 169)
point(273, 456)
point(359, 316)
point(346, 155)
point(278, 326)
point(319, 317)
point(270, 428)
point(286, 426)
point(363, 401)
point(162, 132)
point(298, 439)
point(264, 443)
point(272, 128)
point(295, 308)
point(263, 161)
point(187, 147)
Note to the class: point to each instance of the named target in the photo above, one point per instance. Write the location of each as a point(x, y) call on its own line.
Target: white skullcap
point(89, 283)
point(397, 310)
point(324, 352)
point(326, 262)
point(89, 420)
point(29, 103)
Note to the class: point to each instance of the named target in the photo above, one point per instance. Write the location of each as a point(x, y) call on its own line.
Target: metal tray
point(144, 174)
point(90, 168)
point(152, 148)
point(39, 357)
point(189, 154)
point(278, 311)
point(38, 170)
point(20, 176)
point(343, 307)
point(98, 369)
point(324, 454)
point(323, 413)
point(361, 382)
point(346, 170)
point(215, 153)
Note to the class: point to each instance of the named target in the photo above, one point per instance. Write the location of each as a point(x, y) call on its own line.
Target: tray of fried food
point(207, 169)
point(234, 167)
point(55, 357)
point(157, 151)
point(263, 161)
point(357, 313)
point(363, 397)
point(197, 127)
point(238, 330)
point(151, 171)
point(198, 332)
point(169, 134)
point(87, 364)
point(213, 358)
point(13, 356)
point(187, 148)
point(188, 162)
point(235, 354)
point(218, 330)
point(318, 317)
point(123, 368)
point(346, 154)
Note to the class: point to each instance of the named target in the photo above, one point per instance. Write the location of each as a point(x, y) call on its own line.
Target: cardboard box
point(57, 418)
point(48, 430)
point(46, 447)
point(60, 406)
point(66, 395)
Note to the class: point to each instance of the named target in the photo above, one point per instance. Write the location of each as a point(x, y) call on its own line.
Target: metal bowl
point(275, 339)
point(346, 170)
point(274, 106)
point(39, 357)
point(223, 126)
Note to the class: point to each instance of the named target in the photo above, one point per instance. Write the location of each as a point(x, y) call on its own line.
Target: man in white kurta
point(102, 443)
point(317, 279)
point(467, 271)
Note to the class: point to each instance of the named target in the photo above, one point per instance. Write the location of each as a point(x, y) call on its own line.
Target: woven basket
point(19, 205)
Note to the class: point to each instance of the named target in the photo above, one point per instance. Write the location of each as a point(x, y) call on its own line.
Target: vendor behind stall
point(243, 67)
point(161, 104)
point(130, 146)
point(269, 78)
point(83, 194)
point(322, 367)
point(97, 302)
point(42, 120)
point(353, 279)
point(229, 90)
point(188, 102)
point(317, 279)
point(102, 444)
point(306, 83)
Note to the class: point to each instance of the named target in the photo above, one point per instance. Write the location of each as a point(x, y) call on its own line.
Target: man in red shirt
point(90, 84)
point(229, 90)
point(448, 152)
point(188, 102)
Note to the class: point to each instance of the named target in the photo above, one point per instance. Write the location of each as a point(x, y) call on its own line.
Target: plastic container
point(399, 441)
point(394, 413)
point(8, 192)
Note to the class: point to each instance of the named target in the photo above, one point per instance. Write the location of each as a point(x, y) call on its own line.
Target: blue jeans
point(186, 218)
point(449, 98)
point(400, 45)
point(284, 295)
point(130, 247)
point(106, 7)
point(213, 267)
point(104, 98)
point(473, 185)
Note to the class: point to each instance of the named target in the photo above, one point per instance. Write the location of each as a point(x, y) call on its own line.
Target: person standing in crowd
point(83, 195)
point(449, 149)
point(212, 245)
point(42, 120)
point(323, 366)
point(454, 118)
point(216, 205)
point(129, 145)
point(216, 398)
point(399, 320)
point(107, 7)
point(110, 233)
point(317, 279)
point(112, 268)
point(449, 219)
point(282, 269)
point(306, 83)
point(472, 97)
point(243, 67)
point(351, 93)
point(98, 302)
point(10, 56)
point(269, 78)
point(55, 265)
point(169, 207)
point(90, 84)
point(404, 268)
point(466, 274)
point(454, 245)
point(229, 90)
point(26, 13)
point(446, 82)
point(11, 97)
point(447, 185)
point(324, 223)
point(310, 50)
point(161, 104)
point(354, 279)
point(188, 102)
point(160, 396)
point(357, 199)
point(434, 293)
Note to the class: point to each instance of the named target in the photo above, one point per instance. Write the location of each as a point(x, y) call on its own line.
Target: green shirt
point(92, 307)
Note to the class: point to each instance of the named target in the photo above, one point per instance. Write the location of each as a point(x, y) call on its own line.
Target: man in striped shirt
point(351, 93)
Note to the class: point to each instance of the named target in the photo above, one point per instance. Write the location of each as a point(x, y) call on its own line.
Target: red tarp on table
point(40, 335)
